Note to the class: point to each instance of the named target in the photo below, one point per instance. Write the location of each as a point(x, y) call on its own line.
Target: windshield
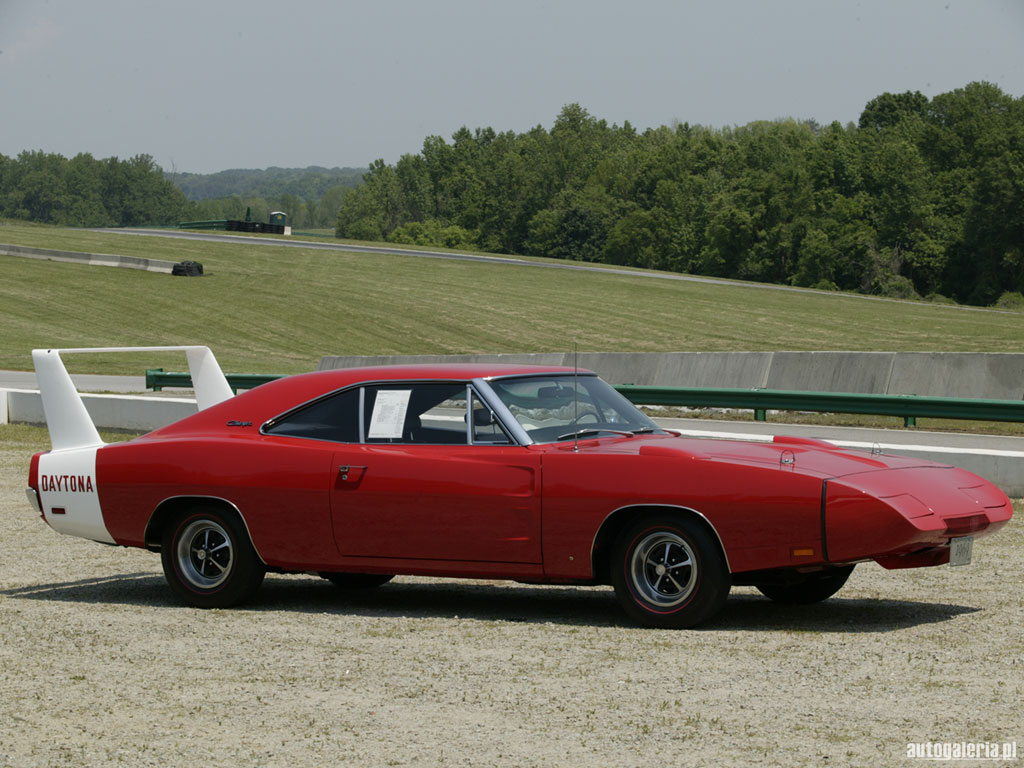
point(550, 409)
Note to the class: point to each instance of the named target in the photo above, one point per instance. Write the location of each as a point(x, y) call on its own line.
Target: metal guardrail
point(158, 378)
point(910, 407)
point(209, 224)
point(234, 225)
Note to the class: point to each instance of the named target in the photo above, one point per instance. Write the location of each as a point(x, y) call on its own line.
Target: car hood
point(803, 455)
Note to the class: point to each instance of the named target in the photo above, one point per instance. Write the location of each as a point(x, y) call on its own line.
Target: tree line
point(84, 191)
point(310, 183)
point(922, 197)
point(310, 196)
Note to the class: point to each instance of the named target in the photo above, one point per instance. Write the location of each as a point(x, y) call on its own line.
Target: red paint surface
point(533, 513)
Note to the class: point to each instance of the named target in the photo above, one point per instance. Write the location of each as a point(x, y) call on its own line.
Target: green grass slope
point(266, 309)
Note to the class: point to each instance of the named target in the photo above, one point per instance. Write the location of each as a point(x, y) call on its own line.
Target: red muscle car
point(540, 475)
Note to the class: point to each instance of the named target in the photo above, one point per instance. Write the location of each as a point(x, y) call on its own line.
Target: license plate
point(960, 550)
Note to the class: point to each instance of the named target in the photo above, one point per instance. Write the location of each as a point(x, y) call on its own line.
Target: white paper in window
point(388, 415)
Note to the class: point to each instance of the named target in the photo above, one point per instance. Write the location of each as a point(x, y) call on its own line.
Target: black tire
point(357, 580)
point(811, 588)
point(208, 559)
point(669, 572)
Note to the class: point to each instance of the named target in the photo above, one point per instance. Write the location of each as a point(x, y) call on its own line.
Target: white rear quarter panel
point(67, 480)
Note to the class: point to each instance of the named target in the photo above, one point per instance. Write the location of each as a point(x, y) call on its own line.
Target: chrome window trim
point(538, 375)
point(305, 404)
point(398, 382)
point(506, 416)
point(475, 393)
point(361, 384)
point(512, 426)
point(508, 422)
point(483, 390)
point(362, 410)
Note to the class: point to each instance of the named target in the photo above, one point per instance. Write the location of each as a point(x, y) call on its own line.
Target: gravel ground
point(99, 667)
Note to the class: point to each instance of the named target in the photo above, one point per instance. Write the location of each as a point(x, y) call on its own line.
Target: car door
point(423, 485)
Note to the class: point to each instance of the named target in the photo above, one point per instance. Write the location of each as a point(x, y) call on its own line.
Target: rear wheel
point(668, 571)
point(357, 580)
point(810, 588)
point(208, 559)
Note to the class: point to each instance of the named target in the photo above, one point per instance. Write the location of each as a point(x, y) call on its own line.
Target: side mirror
point(483, 418)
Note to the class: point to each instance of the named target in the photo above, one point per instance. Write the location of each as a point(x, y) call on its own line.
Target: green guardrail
point(910, 407)
point(760, 401)
point(158, 378)
point(211, 224)
point(234, 225)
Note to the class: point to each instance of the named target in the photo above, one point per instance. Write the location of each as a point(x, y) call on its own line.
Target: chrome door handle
point(344, 470)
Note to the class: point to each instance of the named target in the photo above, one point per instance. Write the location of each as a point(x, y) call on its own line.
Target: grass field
point(271, 310)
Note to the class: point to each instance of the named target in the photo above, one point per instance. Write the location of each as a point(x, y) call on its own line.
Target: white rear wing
point(66, 416)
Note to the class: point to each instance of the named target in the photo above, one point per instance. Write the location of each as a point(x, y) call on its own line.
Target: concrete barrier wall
point(998, 376)
point(130, 412)
point(964, 374)
point(742, 370)
point(861, 372)
point(95, 259)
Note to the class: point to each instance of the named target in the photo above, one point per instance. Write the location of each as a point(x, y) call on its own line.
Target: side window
point(427, 414)
point(332, 418)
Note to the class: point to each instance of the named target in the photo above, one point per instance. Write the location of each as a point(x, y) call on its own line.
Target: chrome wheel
point(663, 569)
point(205, 554)
point(208, 558)
point(669, 571)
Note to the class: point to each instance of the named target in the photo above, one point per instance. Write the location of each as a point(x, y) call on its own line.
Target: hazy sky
point(206, 86)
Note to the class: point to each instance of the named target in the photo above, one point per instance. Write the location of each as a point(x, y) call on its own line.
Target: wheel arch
point(172, 505)
point(619, 519)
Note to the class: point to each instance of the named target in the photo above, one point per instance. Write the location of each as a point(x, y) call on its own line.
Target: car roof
point(311, 385)
point(453, 371)
point(275, 397)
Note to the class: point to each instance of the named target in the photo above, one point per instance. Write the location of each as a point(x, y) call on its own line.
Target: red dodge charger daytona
point(539, 475)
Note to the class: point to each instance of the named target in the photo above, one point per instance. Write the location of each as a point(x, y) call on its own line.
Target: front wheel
point(208, 559)
point(810, 588)
point(669, 572)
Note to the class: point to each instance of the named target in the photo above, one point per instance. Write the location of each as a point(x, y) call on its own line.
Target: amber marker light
point(804, 552)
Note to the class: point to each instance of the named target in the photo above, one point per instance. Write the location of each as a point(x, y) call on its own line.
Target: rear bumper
point(33, 499)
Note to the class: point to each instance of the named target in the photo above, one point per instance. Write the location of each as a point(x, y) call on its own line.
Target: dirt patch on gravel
point(99, 667)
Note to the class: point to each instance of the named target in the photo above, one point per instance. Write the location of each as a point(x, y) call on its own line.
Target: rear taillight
point(33, 471)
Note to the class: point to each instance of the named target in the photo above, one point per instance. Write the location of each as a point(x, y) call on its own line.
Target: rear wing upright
point(67, 419)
